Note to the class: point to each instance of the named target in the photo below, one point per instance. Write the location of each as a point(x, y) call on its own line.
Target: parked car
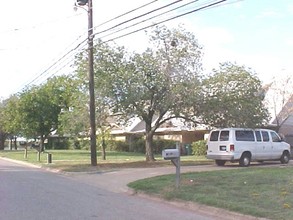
point(244, 145)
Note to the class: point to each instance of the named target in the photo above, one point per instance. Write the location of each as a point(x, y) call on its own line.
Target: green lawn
point(261, 192)
point(79, 160)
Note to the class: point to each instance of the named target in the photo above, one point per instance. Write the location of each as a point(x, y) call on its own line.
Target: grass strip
point(262, 192)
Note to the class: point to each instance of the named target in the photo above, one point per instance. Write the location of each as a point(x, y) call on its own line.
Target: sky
point(36, 35)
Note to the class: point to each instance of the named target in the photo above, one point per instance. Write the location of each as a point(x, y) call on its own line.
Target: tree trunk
point(15, 143)
point(41, 144)
point(10, 143)
point(2, 140)
point(41, 147)
point(149, 143)
point(103, 149)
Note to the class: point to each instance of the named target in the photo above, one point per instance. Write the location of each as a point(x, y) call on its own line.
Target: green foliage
point(35, 112)
point(79, 143)
point(160, 145)
point(10, 116)
point(163, 79)
point(74, 119)
point(38, 112)
point(199, 148)
point(233, 97)
point(4, 125)
point(58, 144)
point(74, 144)
point(120, 146)
point(138, 145)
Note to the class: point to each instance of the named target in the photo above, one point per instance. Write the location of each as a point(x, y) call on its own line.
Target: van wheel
point(220, 162)
point(285, 157)
point(245, 160)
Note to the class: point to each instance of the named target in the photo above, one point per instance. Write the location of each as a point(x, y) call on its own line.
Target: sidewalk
point(117, 180)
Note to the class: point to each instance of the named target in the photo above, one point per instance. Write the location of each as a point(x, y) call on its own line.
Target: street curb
point(218, 213)
point(33, 165)
point(21, 162)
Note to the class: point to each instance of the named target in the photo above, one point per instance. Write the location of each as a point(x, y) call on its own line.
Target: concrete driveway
point(117, 180)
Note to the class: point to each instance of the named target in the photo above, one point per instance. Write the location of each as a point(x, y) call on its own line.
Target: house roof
point(175, 125)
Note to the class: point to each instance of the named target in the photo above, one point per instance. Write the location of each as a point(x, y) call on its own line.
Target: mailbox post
point(174, 156)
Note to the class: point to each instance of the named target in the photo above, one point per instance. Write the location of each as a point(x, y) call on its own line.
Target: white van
point(244, 145)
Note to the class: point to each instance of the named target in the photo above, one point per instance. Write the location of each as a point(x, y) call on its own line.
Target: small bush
point(83, 144)
point(160, 145)
point(112, 145)
point(199, 148)
point(138, 145)
point(74, 144)
point(58, 144)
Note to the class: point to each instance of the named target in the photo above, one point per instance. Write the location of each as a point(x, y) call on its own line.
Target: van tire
point(285, 157)
point(245, 160)
point(220, 162)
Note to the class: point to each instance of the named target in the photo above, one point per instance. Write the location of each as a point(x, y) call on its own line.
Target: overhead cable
point(126, 13)
point(139, 16)
point(148, 19)
point(166, 20)
point(82, 46)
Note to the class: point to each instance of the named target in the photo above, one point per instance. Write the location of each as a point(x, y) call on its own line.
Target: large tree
point(39, 108)
point(159, 84)
point(10, 121)
point(233, 97)
point(3, 131)
point(74, 120)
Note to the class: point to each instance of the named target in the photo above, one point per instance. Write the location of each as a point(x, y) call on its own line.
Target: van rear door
point(219, 142)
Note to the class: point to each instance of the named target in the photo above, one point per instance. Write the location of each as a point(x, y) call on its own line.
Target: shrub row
point(197, 148)
point(139, 146)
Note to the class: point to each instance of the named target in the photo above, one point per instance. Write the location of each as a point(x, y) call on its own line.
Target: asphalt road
point(31, 193)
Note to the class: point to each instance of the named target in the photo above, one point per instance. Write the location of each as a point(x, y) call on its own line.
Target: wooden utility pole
point(92, 105)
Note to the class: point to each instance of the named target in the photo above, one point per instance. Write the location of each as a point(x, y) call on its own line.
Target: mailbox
point(169, 154)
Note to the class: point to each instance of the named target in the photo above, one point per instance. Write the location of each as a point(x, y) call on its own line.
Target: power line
point(139, 16)
point(166, 20)
point(79, 44)
point(148, 19)
point(126, 13)
point(46, 71)
point(213, 4)
point(38, 24)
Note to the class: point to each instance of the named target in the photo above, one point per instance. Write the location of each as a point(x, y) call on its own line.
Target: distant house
point(286, 129)
point(284, 121)
point(175, 129)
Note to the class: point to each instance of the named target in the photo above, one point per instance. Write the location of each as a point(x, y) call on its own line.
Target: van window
point(214, 136)
point(265, 136)
point(224, 136)
point(242, 135)
point(258, 136)
point(275, 137)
